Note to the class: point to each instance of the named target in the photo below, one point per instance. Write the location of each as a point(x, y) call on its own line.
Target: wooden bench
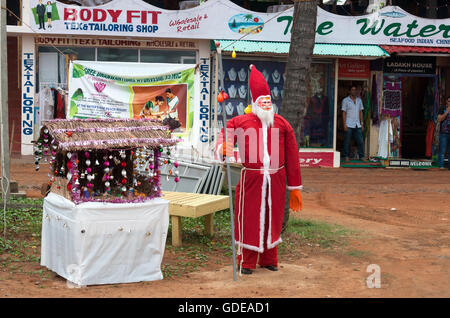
point(193, 205)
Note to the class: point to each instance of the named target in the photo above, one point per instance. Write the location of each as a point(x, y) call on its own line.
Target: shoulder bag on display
point(437, 130)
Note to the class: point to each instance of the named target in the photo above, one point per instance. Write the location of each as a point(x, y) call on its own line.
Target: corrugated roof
point(254, 46)
point(283, 48)
point(414, 49)
point(349, 50)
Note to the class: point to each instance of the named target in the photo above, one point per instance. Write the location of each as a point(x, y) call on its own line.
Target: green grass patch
point(317, 234)
point(21, 244)
point(357, 253)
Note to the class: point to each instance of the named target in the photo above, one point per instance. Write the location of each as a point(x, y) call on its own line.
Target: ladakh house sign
point(222, 19)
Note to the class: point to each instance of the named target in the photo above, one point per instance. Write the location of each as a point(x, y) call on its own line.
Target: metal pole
point(4, 112)
point(224, 118)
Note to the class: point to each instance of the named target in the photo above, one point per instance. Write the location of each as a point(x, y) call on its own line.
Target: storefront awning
point(414, 49)
point(349, 50)
point(319, 48)
point(243, 46)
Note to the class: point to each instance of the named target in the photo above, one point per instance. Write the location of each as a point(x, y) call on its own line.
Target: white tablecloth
point(104, 243)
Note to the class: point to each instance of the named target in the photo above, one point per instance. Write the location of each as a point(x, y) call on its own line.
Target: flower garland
point(117, 200)
point(102, 120)
point(108, 129)
point(85, 144)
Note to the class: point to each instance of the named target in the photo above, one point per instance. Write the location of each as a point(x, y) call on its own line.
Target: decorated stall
point(104, 220)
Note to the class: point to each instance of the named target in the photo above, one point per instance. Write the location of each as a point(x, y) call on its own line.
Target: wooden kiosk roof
point(83, 134)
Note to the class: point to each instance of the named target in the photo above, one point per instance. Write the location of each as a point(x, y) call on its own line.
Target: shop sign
point(137, 19)
point(410, 65)
point(389, 26)
point(404, 163)
point(204, 99)
point(316, 159)
point(143, 44)
point(222, 19)
point(28, 93)
point(28, 67)
point(349, 68)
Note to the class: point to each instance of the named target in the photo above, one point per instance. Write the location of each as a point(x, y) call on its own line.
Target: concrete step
point(20, 194)
point(13, 187)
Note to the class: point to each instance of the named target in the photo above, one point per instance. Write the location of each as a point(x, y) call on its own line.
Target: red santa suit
point(269, 156)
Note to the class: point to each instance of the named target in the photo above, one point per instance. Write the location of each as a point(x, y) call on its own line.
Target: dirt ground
point(403, 216)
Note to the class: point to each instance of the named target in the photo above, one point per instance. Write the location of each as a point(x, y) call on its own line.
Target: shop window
point(81, 53)
point(53, 66)
point(117, 55)
point(318, 123)
point(14, 7)
point(163, 56)
point(236, 74)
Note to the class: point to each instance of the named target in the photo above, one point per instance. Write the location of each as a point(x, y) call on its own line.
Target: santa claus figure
point(269, 156)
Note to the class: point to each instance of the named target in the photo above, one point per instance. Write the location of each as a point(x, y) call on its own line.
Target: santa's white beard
point(266, 116)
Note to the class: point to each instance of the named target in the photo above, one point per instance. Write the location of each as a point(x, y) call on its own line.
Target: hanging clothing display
point(428, 112)
point(385, 138)
point(429, 138)
point(396, 143)
point(316, 119)
point(374, 101)
point(60, 110)
point(392, 98)
point(366, 98)
point(46, 104)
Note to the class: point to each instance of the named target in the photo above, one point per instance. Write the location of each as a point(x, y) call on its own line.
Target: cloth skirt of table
point(104, 243)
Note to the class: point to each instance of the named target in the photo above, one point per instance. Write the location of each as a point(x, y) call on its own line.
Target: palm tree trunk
point(295, 88)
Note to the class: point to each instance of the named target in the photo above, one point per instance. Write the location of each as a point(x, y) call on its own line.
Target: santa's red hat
point(258, 84)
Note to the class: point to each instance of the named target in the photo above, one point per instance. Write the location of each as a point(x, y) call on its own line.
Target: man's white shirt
point(352, 109)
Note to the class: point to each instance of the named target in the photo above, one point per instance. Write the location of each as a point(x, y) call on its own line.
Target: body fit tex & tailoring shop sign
point(224, 19)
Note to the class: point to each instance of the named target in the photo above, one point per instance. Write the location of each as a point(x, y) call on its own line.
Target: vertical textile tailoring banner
point(132, 90)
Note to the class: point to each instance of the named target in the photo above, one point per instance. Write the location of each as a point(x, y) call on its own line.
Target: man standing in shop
point(352, 115)
point(443, 119)
point(40, 11)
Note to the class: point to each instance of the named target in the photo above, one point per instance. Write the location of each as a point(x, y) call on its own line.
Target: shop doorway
point(417, 112)
point(344, 86)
